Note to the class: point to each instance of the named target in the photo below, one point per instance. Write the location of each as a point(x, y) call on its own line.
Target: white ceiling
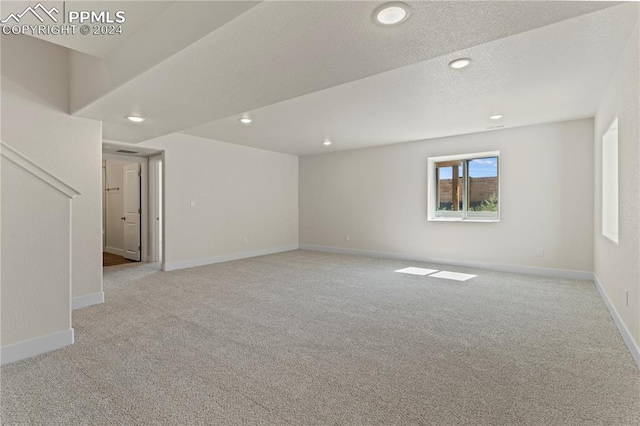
point(310, 70)
point(168, 30)
point(112, 147)
point(554, 73)
point(138, 15)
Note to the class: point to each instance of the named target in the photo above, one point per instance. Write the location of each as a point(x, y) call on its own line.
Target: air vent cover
point(126, 151)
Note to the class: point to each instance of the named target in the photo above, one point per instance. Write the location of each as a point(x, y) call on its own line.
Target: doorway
point(122, 184)
point(132, 207)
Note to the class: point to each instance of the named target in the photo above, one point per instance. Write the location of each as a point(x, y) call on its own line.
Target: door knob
point(123, 218)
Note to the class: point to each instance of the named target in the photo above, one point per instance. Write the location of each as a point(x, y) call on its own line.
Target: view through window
point(466, 188)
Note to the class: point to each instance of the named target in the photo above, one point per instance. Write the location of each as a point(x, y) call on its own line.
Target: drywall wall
point(35, 121)
point(378, 196)
point(224, 201)
point(617, 266)
point(35, 300)
point(112, 184)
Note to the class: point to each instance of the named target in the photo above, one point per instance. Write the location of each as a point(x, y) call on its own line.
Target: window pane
point(449, 189)
point(462, 187)
point(482, 192)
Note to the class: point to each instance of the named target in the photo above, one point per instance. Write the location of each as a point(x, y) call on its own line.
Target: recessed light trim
point(393, 13)
point(245, 120)
point(135, 118)
point(496, 116)
point(459, 63)
point(326, 142)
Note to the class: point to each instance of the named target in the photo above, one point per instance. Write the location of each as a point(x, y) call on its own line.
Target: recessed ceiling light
point(459, 63)
point(392, 13)
point(245, 120)
point(135, 118)
point(496, 116)
point(326, 142)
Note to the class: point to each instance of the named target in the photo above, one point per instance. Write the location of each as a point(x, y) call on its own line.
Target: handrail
point(38, 171)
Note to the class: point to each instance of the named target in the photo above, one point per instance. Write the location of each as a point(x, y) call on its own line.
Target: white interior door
point(131, 201)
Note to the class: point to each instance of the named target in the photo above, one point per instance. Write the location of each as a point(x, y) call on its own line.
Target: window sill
point(458, 219)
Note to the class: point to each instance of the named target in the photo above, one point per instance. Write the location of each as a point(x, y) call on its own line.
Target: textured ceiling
point(138, 15)
point(100, 64)
point(554, 73)
point(278, 51)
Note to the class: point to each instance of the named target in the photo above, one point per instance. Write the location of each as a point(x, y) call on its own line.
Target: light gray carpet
point(309, 338)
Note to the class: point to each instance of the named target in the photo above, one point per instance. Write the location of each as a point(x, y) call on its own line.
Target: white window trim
point(431, 186)
point(610, 214)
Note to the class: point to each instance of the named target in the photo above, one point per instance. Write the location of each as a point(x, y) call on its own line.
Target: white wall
point(617, 266)
point(378, 196)
point(35, 121)
point(239, 192)
point(35, 231)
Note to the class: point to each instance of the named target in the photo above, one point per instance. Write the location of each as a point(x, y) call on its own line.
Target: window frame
point(432, 187)
point(610, 181)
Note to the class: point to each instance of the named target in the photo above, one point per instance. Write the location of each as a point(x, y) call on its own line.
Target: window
point(464, 187)
point(610, 182)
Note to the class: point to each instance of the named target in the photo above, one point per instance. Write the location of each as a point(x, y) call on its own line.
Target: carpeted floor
point(307, 338)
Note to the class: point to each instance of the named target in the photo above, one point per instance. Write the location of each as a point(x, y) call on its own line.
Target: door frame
point(144, 198)
point(155, 208)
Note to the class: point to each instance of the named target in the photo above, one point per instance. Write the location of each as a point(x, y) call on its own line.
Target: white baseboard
point(516, 269)
point(624, 331)
point(113, 250)
point(87, 300)
point(172, 266)
point(39, 345)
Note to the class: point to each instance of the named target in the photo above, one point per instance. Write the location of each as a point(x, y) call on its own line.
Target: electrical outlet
point(246, 240)
point(347, 237)
point(540, 252)
point(192, 203)
point(626, 295)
